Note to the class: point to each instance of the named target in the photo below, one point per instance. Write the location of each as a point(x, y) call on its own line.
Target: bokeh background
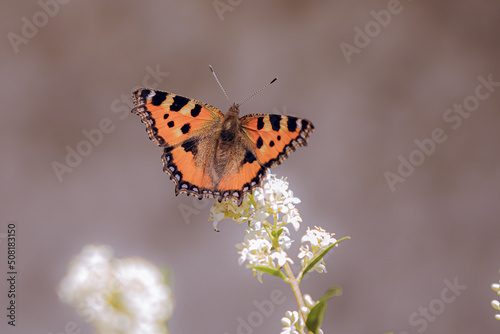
point(441, 223)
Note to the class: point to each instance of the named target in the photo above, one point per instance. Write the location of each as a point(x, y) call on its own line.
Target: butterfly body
point(209, 154)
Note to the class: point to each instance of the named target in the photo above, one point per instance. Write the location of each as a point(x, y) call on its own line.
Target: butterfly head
point(234, 110)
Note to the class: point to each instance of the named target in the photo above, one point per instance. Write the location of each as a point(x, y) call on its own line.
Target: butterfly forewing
point(171, 119)
point(275, 136)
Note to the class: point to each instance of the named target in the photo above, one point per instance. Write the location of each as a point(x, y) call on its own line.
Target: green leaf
point(320, 256)
point(317, 314)
point(275, 238)
point(270, 271)
point(276, 233)
point(334, 291)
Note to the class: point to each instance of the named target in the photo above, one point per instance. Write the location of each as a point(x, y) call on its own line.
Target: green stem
point(294, 283)
point(291, 279)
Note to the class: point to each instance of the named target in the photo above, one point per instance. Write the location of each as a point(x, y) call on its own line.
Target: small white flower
point(305, 254)
point(291, 321)
point(117, 295)
point(319, 237)
point(256, 250)
point(228, 209)
point(282, 257)
point(319, 240)
point(285, 241)
point(292, 217)
point(495, 303)
point(310, 303)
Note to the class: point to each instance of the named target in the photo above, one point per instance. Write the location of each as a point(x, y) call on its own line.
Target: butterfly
point(210, 154)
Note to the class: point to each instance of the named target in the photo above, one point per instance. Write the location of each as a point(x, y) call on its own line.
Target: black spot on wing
point(145, 93)
point(291, 123)
point(271, 143)
point(159, 98)
point(279, 137)
point(260, 123)
point(260, 142)
point(185, 128)
point(191, 146)
point(179, 102)
point(170, 124)
point(196, 110)
point(165, 116)
point(275, 122)
point(249, 158)
point(305, 123)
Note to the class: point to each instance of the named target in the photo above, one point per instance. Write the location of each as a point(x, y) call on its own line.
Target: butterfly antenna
point(257, 92)
point(217, 79)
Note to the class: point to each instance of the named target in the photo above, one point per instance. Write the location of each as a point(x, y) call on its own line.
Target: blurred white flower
point(495, 303)
point(122, 296)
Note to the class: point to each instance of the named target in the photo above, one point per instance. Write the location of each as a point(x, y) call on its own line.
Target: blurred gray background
point(369, 104)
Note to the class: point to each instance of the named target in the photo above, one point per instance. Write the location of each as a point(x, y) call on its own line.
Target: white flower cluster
point(293, 321)
point(257, 250)
point(496, 303)
point(268, 211)
point(272, 199)
point(117, 295)
point(319, 240)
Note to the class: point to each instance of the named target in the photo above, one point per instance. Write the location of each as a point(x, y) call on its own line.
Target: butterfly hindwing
point(247, 174)
point(275, 136)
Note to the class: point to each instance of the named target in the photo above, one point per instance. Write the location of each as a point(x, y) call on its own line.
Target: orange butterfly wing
point(178, 123)
point(170, 118)
point(271, 139)
point(189, 131)
point(275, 136)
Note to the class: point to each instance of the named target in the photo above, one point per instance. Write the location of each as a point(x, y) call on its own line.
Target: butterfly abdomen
point(228, 147)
